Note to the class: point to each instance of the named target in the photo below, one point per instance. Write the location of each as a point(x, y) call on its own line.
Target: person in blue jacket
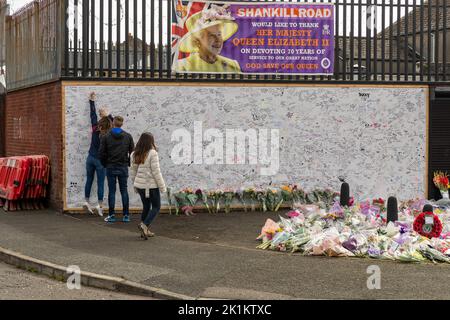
point(93, 165)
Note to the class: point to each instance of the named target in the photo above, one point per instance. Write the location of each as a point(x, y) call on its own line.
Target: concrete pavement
point(16, 284)
point(210, 256)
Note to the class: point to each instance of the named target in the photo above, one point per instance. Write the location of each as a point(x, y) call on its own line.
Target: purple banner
point(253, 38)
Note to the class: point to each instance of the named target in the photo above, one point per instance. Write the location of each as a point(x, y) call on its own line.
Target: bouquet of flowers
point(260, 196)
point(441, 181)
point(323, 197)
point(287, 194)
point(185, 200)
point(311, 198)
point(269, 233)
point(228, 196)
point(248, 195)
point(191, 196)
point(274, 199)
point(432, 254)
point(268, 230)
point(203, 196)
point(329, 195)
point(240, 196)
point(410, 256)
point(214, 198)
point(380, 203)
point(298, 195)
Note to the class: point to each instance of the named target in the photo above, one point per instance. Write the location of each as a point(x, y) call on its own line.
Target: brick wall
point(2, 125)
point(34, 126)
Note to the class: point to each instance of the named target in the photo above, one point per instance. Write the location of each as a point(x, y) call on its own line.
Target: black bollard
point(392, 209)
point(427, 208)
point(345, 194)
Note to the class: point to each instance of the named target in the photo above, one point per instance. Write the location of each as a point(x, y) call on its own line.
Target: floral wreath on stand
point(428, 225)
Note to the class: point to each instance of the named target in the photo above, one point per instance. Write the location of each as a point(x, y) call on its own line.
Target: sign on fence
point(253, 38)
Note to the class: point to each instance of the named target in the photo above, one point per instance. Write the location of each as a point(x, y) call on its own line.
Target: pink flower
point(293, 214)
point(351, 201)
point(445, 235)
point(188, 210)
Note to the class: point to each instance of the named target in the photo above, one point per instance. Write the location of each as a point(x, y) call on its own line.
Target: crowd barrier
point(23, 182)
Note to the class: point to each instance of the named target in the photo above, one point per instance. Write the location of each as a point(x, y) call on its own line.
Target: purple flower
point(365, 207)
point(404, 228)
point(401, 240)
point(350, 244)
point(373, 251)
point(337, 208)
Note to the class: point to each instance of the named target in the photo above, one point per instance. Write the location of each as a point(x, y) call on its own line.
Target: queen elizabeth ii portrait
point(207, 31)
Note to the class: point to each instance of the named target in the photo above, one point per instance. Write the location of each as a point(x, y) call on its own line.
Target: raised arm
point(94, 119)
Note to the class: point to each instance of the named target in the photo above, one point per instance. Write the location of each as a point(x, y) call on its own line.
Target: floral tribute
point(441, 181)
point(185, 201)
point(361, 230)
point(271, 199)
point(428, 225)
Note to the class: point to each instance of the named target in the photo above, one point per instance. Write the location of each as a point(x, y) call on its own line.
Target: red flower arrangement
point(441, 181)
point(428, 230)
point(379, 203)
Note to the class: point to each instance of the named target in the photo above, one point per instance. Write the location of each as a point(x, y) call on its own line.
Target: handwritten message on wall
point(374, 137)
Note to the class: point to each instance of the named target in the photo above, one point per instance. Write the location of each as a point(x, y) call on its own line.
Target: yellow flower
point(286, 188)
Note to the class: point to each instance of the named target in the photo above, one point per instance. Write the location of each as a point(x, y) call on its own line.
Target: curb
point(88, 279)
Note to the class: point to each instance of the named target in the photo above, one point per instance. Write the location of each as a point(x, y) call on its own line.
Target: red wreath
point(420, 221)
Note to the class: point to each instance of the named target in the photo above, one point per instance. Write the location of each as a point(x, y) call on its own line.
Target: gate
point(439, 137)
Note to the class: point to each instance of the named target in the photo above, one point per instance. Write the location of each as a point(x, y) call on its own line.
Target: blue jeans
point(93, 165)
point(151, 205)
point(113, 174)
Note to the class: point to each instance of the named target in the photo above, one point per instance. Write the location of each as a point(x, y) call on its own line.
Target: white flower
point(213, 14)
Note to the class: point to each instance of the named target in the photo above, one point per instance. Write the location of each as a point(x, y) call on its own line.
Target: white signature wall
point(374, 137)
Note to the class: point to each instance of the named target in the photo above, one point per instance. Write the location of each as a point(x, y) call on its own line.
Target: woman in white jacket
point(147, 180)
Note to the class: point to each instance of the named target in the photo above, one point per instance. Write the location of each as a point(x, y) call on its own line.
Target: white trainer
point(99, 210)
point(87, 207)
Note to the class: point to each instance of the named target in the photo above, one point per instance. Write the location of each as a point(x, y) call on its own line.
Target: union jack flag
point(182, 10)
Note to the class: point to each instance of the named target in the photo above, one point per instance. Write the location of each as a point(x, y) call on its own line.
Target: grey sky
point(17, 4)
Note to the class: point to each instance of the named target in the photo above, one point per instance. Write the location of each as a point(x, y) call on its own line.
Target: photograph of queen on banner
point(253, 37)
point(207, 31)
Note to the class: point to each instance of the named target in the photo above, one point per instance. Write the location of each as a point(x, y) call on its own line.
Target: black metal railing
point(375, 41)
